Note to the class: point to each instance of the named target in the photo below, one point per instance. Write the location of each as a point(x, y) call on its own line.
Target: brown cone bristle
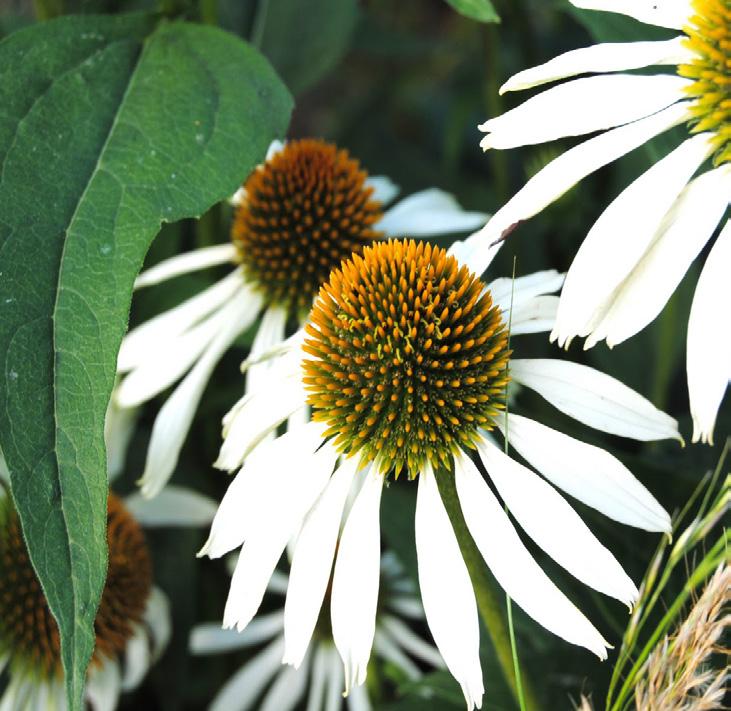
point(28, 631)
point(304, 211)
point(409, 356)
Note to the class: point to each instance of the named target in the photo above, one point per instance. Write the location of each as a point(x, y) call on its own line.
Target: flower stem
point(488, 599)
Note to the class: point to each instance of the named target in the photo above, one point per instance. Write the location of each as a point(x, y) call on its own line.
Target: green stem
point(488, 599)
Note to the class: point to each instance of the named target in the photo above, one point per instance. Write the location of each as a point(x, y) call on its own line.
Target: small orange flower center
point(304, 211)
point(28, 631)
point(709, 37)
point(409, 356)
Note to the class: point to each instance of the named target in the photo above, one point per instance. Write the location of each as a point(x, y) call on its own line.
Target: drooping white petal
point(709, 339)
point(355, 582)
point(620, 237)
point(256, 415)
point(186, 263)
point(211, 638)
point(384, 189)
point(565, 171)
point(259, 488)
point(358, 699)
point(147, 337)
point(268, 533)
point(175, 506)
point(119, 426)
point(390, 651)
point(506, 291)
point(600, 58)
point(536, 316)
point(582, 106)
point(428, 213)
point(270, 335)
point(683, 233)
point(241, 691)
point(513, 566)
point(551, 522)
point(176, 415)
point(287, 690)
point(158, 622)
point(673, 14)
point(446, 590)
point(335, 682)
point(411, 642)
point(594, 398)
point(104, 686)
point(137, 659)
point(318, 677)
point(588, 473)
point(475, 252)
point(170, 361)
point(312, 563)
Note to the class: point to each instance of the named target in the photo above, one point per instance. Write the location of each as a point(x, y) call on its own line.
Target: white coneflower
point(262, 683)
point(638, 250)
point(405, 367)
point(308, 207)
point(132, 625)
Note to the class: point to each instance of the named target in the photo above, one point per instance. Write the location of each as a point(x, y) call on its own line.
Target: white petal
point(506, 291)
point(256, 415)
point(386, 648)
point(335, 683)
point(258, 489)
point(318, 678)
point(137, 659)
point(384, 189)
point(408, 607)
point(287, 690)
point(143, 340)
point(358, 699)
point(186, 263)
point(475, 251)
point(682, 235)
point(174, 506)
point(104, 686)
point(594, 398)
point(355, 582)
point(446, 591)
point(569, 168)
point(673, 14)
point(269, 529)
point(170, 361)
point(514, 567)
point(583, 106)
point(426, 214)
point(536, 316)
point(119, 426)
point(241, 691)
point(411, 642)
point(211, 638)
point(620, 237)
point(551, 522)
point(600, 58)
point(270, 335)
point(176, 415)
point(275, 147)
point(157, 619)
point(709, 341)
point(588, 473)
point(312, 563)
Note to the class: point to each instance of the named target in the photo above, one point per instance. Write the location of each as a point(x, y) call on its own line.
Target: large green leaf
point(304, 40)
point(480, 10)
point(108, 127)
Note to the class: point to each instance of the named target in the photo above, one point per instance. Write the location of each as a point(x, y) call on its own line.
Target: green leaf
point(480, 10)
point(304, 40)
point(108, 127)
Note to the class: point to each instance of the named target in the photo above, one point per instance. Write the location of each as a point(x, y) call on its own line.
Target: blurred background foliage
point(402, 85)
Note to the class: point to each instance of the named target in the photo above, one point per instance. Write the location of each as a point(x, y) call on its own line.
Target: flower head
point(400, 336)
point(309, 206)
point(638, 250)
